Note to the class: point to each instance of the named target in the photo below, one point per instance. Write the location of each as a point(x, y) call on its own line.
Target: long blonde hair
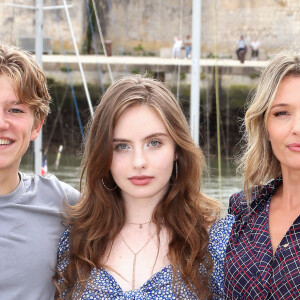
point(258, 163)
point(99, 216)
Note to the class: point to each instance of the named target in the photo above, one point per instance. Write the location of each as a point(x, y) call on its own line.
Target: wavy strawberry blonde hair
point(99, 216)
point(258, 163)
point(29, 80)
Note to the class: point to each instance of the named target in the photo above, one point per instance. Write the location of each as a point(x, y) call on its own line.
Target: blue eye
point(154, 143)
point(15, 110)
point(121, 146)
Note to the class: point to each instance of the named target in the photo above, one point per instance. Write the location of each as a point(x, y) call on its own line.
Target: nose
point(3, 121)
point(139, 159)
point(296, 125)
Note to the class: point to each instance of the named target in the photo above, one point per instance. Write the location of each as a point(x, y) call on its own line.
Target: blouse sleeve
point(63, 254)
point(237, 203)
point(219, 236)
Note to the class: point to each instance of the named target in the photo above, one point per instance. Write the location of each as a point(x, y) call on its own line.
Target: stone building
point(146, 27)
point(18, 23)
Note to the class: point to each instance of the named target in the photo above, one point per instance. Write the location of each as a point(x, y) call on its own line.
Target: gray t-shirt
point(30, 229)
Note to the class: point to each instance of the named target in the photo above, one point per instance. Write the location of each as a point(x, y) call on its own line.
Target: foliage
point(254, 75)
point(238, 94)
point(139, 48)
point(65, 69)
point(135, 71)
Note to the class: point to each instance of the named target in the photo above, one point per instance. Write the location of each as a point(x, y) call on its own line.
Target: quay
point(149, 60)
point(166, 69)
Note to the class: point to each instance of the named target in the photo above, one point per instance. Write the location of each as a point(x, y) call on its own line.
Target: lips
point(140, 180)
point(295, 147)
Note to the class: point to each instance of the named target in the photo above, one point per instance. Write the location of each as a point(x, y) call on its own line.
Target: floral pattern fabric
point(102, 285)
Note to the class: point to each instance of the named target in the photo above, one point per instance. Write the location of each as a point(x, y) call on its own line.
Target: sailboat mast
point(195, 76)
point(38, 54)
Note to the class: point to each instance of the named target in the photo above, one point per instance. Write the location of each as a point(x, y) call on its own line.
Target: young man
point(30, 206)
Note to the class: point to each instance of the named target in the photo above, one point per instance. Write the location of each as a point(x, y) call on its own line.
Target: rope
point(94, 43)
point(217, 101)
point(179, 66)
point(78, 58)
point(58, 115)
point(102, 40)
point(207, 130)
point(69, 76)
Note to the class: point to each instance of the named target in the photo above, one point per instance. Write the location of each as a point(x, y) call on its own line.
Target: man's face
point(17, 127)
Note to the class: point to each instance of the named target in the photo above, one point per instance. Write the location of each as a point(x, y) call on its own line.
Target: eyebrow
point(158, 134)
point(280, 105)
point(14, 102)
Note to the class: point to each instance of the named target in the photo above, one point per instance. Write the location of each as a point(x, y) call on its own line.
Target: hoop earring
point(176, 169)
point(109, 189)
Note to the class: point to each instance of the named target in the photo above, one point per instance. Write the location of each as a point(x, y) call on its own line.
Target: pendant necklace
point(135, 254)
point(140, 224)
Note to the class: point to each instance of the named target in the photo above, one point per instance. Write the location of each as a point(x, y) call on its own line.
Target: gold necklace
point(140, 224)
point(134, 259)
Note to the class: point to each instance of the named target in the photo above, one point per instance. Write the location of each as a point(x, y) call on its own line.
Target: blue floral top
point(102, 285)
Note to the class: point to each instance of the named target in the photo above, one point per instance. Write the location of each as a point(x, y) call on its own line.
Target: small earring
point(176, 169)
point(109, 189)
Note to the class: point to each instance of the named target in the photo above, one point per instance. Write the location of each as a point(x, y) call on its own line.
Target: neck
point(8, 182)
point(139, 211)
point(290, 189)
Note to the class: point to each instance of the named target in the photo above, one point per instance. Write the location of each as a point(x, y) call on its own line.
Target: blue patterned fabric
point(251, 270)
point(102, 285)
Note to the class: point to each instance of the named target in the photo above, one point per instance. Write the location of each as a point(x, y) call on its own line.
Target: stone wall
point(154, 23)
point(146, 26)
point(18, 22)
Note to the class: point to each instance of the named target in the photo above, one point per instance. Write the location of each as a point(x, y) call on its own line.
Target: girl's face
point(283, 124)
point(143, 155)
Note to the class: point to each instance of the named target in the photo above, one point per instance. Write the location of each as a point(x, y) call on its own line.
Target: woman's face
point(143, 154)
point(283, 124)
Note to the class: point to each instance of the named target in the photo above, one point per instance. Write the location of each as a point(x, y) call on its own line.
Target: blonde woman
point(262, 258)
point(141, 228)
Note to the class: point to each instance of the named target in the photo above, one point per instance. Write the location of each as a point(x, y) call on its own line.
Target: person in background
point(241, 46)
point(262, 257)
point(30, 220)
point(142, 228)
point(176, 50)
point(188, 46)
point(254, 49)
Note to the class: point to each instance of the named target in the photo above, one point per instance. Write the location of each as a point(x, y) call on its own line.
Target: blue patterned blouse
point(251, 269)
point(102, 285)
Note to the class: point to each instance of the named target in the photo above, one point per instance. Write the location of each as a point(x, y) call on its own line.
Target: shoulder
point(63, 250)
point(219, 234)
point(238, 204)
point(63, 245)
point(218, 239)
point(50, 187)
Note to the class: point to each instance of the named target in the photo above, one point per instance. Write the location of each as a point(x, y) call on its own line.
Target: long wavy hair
point(99, 215)
point(258, 162)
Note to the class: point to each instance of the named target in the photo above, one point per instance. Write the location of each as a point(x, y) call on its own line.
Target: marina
point(49, 60)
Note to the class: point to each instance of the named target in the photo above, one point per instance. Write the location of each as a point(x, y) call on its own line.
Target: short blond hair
point(28, 77)
point(258, 163)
